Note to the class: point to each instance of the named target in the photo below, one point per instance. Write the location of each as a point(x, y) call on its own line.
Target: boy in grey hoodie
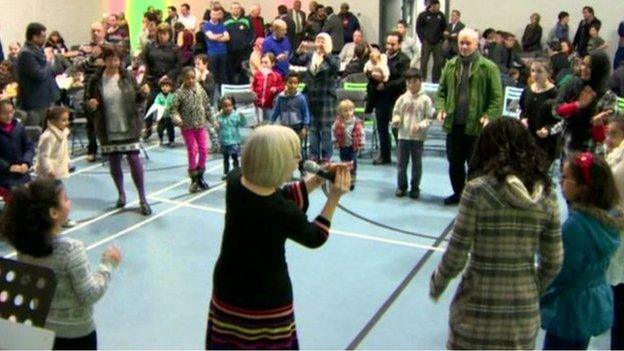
point(412, 115)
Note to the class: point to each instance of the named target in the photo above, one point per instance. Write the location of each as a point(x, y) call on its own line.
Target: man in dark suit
point(389, 92)
point(451, 48)
point(282, 13)
point(37, 89)
point(299, 18)
point(333, 27)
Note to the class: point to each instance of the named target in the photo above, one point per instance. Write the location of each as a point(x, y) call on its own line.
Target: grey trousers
point(438, 60)
point(407, 149)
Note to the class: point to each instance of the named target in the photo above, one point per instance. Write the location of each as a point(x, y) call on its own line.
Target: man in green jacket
point(470, 95)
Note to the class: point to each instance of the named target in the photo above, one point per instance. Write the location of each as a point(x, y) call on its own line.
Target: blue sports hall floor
point(366, 288)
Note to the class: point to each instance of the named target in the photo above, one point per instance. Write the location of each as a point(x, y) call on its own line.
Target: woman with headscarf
point(321, 82)
point(577, 102)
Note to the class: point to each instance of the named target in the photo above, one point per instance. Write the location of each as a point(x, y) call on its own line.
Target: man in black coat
point(37, 89)
point(333, 27)
point(430, 27)
point(581, 38)
point(389, 92)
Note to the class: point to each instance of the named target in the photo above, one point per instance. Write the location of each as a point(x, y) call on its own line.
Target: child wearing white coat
point(614, 143)
point(412, 115)
point(53, 149)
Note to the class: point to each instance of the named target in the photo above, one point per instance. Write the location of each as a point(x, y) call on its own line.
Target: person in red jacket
point(267, 84)
point(349, 136)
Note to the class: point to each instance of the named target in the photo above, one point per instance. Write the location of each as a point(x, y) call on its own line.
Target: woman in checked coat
point(321, 80)
point(508, 214)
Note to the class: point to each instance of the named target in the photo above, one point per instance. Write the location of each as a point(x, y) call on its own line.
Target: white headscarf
point(317, 60)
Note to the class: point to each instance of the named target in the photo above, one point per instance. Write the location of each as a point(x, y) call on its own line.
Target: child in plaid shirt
point(228, 123)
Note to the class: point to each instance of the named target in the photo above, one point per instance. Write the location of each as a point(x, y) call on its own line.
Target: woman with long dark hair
point(112, 95)
point(508, 216)
point(577, 102)
point(162, 58)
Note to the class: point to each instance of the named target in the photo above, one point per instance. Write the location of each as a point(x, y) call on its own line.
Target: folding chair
point(245, 98)
point(619, 106)
point(430, 89)
point(78, 121)
point(26, 293)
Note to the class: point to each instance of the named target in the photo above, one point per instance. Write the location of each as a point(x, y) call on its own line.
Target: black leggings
point(87, 342)
point(166, 124)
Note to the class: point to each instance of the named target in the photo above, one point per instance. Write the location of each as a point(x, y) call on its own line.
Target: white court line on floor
point(197, 207)
point(333, 231)
point(117, 210)
point(79, 158)
point(100, 164)
point(153, 218)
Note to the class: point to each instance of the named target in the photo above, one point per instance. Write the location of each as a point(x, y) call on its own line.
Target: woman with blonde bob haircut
point(269, 155)
point(252, 297)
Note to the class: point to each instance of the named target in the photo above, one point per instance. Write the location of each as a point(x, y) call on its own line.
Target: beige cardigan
point(53, 153)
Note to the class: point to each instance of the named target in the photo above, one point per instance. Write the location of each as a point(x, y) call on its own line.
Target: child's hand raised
point(113, 255)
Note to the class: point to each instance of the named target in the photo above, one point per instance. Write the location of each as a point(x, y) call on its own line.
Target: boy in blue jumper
point(16, 150)
point(292, 110)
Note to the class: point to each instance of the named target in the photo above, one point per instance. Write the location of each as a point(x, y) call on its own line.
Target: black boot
point(194, 187)
point(203, 185)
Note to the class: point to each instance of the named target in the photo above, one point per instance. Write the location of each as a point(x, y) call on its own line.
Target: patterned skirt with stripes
point(231, 327)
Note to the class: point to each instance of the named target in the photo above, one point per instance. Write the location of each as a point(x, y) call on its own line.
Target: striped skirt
point(230, 327)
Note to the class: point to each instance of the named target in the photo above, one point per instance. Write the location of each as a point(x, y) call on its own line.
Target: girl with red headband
point(579, 302)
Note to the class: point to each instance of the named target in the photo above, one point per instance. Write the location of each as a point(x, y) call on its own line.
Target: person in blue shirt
point(216, 39)
point(278, 44)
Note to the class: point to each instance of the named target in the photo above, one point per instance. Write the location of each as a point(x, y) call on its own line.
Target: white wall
point(367, 11)
point(513, 15)
point(71, 18)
